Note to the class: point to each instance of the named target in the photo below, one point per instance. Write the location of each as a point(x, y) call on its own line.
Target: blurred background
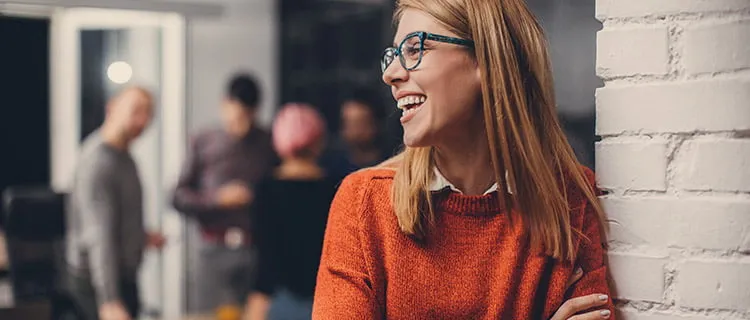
point(60, 61)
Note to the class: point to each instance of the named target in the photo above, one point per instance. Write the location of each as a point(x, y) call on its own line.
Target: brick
point(636, 315)
point(704, 222)
point(606, 9)
point(637, 276)
point(622, 52)
point(714, 165)
point(639, 221)
point(715, 223)
point(719, 47)
point(705, 105)
point(637, 165)
point(714, 284)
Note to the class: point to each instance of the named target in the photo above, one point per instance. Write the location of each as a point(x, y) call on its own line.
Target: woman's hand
point(569, 309)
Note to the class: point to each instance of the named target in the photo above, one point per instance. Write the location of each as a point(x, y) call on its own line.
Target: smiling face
point(441, 97)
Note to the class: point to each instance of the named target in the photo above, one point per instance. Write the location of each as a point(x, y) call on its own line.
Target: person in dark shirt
point(215, 188)
point(290, 214)
point(360, 144)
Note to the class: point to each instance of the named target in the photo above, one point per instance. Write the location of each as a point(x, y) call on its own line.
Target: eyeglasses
point(411, 49)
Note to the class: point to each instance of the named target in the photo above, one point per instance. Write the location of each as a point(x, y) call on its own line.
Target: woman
point(291, 209)
point(486, 212)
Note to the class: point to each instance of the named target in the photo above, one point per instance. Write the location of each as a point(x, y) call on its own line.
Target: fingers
point(598, 314)
point(577, 275)
point(578, 304)
point(113, 311)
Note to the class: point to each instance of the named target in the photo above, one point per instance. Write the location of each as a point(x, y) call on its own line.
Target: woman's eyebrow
point(395, 44)
point(402, 39)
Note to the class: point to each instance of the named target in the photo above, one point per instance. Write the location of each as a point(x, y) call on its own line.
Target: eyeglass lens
point(409, 53)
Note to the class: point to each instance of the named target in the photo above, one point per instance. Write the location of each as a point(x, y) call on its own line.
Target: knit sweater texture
point(473, 264)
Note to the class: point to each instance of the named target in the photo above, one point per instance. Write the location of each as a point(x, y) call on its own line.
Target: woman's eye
point(412, 50)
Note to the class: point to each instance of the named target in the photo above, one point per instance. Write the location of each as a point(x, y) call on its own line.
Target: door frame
point(43, 7)
point(66, 24)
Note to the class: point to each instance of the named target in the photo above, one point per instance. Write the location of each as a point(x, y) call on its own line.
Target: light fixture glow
point(119, 72)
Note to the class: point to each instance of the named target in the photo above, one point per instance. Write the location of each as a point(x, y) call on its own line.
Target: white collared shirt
point(439, 182)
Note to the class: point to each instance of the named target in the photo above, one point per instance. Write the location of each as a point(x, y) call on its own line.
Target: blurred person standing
point(290, 213)
point(105, 235)
point(360, 144)
point(216, 189)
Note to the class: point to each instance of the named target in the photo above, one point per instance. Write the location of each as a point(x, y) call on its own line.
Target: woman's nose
point(395, 73)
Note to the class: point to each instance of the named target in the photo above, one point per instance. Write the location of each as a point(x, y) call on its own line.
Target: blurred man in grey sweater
point(106, 236)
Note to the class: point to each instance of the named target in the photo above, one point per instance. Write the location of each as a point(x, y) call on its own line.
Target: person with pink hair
point(298, 131)
point(289, 218)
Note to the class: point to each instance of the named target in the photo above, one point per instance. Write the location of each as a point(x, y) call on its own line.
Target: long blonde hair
point(525, 137)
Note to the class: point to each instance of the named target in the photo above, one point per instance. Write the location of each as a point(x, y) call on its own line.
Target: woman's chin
point(414, 140)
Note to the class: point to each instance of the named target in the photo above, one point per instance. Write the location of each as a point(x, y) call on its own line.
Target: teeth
point(405, 111)
point(408, 100)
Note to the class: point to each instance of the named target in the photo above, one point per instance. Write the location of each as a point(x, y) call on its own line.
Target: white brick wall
point(713, 223)
point(638, 276)
point(639, 220)
point(717, 47)
point(608, 9)
point(674, 106)
point(715, 164)
point(635, 315)
point(715, 283)
point(623, 160)
point(674, 117)
point(633, 51)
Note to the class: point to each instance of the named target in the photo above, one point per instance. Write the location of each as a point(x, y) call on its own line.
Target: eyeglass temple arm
point(461, 42)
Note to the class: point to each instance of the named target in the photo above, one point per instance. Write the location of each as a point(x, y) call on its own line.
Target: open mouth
point(410, 104)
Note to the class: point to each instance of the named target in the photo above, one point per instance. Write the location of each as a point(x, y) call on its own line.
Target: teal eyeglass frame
point(390, 53)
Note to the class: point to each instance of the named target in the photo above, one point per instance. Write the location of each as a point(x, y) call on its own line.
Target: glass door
point(96, 53)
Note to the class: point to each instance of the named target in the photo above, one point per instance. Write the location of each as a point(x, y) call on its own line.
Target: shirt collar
point(439, 182)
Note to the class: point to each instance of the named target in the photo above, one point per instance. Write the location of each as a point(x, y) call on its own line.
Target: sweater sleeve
point(96, 193)
point(187, 198)
point(592, 257)
point(344, 287)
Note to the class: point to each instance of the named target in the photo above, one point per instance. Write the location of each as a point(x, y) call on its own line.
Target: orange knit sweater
point(473, 265)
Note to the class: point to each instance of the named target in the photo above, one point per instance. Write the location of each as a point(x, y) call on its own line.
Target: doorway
point(24, 88)
point(99, 52)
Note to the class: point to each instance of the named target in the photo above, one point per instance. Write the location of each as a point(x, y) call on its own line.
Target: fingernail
point(579, 270)
point(603, 298)
point(605, 313)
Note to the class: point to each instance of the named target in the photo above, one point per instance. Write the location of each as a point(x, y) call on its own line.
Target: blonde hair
point(525, 137)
